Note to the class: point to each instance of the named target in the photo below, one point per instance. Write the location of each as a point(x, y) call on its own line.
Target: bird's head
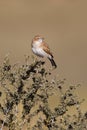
point(38, 38)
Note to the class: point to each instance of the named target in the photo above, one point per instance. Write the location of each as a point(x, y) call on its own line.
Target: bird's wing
point(46, 48)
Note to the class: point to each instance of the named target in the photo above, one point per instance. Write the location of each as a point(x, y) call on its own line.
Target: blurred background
point(63, 23)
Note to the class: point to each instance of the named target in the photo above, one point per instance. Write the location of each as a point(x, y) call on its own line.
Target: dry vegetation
point(24, 99)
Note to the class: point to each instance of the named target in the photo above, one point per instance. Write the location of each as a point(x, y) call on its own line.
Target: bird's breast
point(38, 51)
point(36, 44)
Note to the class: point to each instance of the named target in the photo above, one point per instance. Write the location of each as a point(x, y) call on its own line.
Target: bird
point(41, 49)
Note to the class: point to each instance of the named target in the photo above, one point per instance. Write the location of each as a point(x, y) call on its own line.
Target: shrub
point(24, 99)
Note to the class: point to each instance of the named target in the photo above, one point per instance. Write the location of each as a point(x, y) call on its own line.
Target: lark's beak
point(42, 38)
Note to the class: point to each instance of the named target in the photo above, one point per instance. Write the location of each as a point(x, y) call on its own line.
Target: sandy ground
point(63, 23)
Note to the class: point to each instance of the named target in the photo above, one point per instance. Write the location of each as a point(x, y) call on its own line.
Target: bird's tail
point(53, 62)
